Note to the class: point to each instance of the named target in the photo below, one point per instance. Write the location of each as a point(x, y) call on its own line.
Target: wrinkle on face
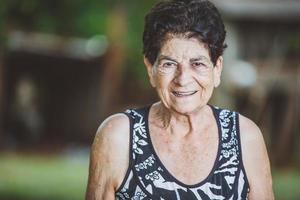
point(183, 52)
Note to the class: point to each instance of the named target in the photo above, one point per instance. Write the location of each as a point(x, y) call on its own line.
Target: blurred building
point(262, 69)
point(51, 89)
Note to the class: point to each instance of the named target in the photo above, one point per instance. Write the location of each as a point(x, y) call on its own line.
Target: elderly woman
point(180, 147)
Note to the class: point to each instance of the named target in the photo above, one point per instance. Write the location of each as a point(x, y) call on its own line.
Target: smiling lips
point(183, 94)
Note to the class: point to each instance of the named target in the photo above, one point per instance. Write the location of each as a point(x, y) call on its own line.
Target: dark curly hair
point(185, 18)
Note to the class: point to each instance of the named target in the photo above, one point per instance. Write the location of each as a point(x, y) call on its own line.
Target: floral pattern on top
point(147, 178)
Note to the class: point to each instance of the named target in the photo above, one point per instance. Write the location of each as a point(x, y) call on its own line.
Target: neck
point(181, 124)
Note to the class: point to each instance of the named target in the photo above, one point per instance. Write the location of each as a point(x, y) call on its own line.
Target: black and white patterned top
point(147, 178)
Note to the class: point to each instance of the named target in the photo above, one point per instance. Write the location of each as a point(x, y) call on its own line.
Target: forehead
point(181, 48)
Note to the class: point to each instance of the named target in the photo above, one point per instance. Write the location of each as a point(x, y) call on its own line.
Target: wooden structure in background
point(58, 80)
point(268, 37)
point(115, 61)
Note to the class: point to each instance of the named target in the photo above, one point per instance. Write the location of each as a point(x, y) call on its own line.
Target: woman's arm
point(256, 161)
point(109, 158)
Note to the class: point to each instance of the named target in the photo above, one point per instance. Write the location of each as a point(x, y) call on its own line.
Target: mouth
point(183, 94)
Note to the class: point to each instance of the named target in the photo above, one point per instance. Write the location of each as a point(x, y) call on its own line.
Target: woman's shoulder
point(116, 127)
point(255, 159)
point(112, 137)
point(113, 120)
point(113, 129)
point(249, 131)
point(109, 155)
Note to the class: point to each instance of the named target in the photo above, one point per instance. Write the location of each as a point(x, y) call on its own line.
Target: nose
point(183, 76)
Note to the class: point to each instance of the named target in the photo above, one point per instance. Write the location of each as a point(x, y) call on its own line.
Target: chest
point(189, 160)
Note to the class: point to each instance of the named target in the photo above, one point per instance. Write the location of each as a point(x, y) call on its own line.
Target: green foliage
point(79, 18)
point(136, 14)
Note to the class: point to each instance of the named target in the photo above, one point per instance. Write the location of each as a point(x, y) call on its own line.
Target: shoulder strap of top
point(138, 131)
point(231, 154)
point(131, 184)
point(243, 171)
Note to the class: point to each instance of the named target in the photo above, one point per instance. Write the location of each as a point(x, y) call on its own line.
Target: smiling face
point(184, 75)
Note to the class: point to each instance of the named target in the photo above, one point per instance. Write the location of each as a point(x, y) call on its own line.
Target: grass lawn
point(42, 177)
point(286, 184)
point(64, 177)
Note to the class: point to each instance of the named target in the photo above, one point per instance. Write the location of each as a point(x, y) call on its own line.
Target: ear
point(218, 71)
point(150, 71)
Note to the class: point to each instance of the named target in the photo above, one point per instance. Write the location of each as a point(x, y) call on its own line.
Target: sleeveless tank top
point(147, 178)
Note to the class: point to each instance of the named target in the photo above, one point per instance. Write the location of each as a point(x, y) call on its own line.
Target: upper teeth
point(184, 93)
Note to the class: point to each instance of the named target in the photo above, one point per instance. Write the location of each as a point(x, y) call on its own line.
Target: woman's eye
point(199, 64)
point(169, 65)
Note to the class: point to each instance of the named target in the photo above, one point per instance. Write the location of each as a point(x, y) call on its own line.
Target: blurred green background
point(67, 65)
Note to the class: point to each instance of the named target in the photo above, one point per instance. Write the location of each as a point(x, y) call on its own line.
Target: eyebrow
point(204, 58)
point(162, 57)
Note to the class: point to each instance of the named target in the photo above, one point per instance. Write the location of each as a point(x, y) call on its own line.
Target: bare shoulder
point(112, 141)
point(112, 131)
point(250, 132)
point(109, 158)
point(256, 160)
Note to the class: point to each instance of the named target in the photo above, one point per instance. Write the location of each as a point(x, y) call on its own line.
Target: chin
point(188, 108)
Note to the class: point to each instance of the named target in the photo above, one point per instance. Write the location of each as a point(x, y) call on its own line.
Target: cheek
point(206, 82)
point(162, 82)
